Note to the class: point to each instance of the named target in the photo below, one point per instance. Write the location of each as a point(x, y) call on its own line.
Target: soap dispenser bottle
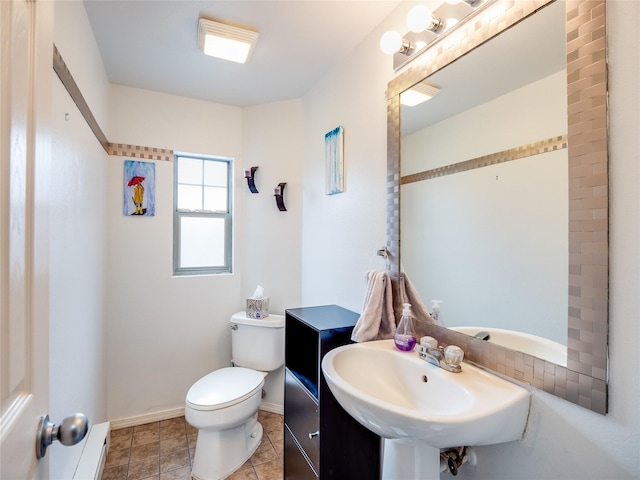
point(435, 311)
point(405, 337)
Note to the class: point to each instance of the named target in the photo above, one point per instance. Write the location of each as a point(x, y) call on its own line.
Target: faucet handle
point(453, 355)
point(429, 342)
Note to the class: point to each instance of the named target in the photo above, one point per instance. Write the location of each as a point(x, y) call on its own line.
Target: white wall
point(78, 239)
point(271, 246)
point(165, 332)
point(563, 441)
point(341, 233)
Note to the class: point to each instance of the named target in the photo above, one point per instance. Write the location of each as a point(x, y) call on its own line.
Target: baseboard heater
point(94, 453)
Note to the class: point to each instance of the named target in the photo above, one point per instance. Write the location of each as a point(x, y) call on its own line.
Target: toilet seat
point(223, 388)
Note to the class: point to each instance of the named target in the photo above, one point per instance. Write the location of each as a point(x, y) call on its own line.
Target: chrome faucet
point(448, 358)
point(486, 336)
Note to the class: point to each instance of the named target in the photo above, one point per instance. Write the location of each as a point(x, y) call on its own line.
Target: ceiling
point(152, 44)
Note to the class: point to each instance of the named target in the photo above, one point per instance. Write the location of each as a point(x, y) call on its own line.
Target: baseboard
point(147, 418)
point(177, 412)
point(272, 407)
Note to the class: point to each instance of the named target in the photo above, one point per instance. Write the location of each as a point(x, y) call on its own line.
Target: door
point(26, 45)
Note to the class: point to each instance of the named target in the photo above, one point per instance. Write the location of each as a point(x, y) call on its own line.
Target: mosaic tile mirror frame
point(583, 380)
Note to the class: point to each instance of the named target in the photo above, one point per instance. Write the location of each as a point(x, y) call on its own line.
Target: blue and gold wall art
point(139, 191)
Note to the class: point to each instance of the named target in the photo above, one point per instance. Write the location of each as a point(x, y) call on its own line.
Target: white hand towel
point(377, 320)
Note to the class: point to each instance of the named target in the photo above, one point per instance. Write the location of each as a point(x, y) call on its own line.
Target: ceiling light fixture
point(225, 41)
point(421, 92)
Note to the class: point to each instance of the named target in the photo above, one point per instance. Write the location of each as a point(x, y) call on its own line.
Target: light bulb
point(419, 18)
point(451, 22)
point(390, 42)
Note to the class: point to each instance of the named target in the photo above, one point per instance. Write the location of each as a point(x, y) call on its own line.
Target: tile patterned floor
point(164, 451)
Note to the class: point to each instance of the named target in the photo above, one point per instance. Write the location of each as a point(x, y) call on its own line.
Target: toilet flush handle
point(234, 326)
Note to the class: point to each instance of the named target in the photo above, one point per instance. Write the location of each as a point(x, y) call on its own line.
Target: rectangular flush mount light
point(417, 94)
point(225, 41)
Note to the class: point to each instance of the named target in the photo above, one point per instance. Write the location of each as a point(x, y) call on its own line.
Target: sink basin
point(524, 342)
point(397, 395)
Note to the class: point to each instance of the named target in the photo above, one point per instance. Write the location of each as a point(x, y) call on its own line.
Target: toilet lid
point(224, 387)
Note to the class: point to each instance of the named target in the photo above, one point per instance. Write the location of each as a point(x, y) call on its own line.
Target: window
point(202, 215)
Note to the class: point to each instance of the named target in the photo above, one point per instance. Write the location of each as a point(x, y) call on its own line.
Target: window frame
point(227, 267)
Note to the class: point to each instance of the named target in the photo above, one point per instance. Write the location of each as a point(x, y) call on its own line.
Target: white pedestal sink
point(419, 408)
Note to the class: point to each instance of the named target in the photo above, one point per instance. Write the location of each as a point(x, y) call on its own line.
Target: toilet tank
point(257, 343)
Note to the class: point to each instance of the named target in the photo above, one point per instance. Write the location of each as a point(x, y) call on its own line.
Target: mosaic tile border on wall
point(117, 149)
point(584, 380)
point(523, 151)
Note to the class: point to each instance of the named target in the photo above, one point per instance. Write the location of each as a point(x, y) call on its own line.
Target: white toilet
point(223, 405)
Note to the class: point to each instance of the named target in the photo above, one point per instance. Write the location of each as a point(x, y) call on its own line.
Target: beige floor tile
point(147, 427)
point(172, 421)
point(143, 469)
point(265, 453)
point(144, 452)
point(276, 436)
point(120, 442)
point(173, 444)
point(180, 474)
point(244, 474)
point(279, 448)
point(270, 471)
point(190, 428)
point(146, 436)
point(164, 451)
point(174, 461)
point(121, 432)
point(115, 473)
point(117, 457)
point(174, 430)
point(272, 422)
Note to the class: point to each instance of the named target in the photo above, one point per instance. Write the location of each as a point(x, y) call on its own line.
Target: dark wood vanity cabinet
point(321, 440)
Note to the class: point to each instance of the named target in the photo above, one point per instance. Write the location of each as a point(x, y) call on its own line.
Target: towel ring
point(382, 253)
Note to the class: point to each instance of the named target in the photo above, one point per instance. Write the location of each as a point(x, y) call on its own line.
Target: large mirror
point(491, 213)
point(490, 240)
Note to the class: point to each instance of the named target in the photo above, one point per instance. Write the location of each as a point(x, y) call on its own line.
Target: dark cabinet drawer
point(302, 417)
point(297, 465)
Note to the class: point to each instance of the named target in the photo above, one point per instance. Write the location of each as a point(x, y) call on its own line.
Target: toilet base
point(219, 453)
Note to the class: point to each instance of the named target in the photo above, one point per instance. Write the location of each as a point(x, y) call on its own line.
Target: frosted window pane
point(215, 199)
point(215, 174)
point(189, 197)
point(201, 242)
point(190, 171)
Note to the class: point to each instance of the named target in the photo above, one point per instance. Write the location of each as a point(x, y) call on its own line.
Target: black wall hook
point(278, 192)
point(249, 175)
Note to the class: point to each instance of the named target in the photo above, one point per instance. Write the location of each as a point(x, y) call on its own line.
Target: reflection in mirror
point(507, 149)
point(491, 239)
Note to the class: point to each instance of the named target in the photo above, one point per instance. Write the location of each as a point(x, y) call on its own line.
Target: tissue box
point(258, 307)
